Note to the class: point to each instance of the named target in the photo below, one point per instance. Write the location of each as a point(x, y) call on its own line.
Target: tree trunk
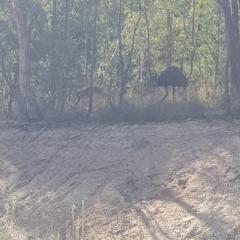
point(27, 107)
point(93, 59)
point(230, 11)
point(235, 48)
point(169, 37)
point(192, 53)
point(53, 71)
point(123, 80)
point(60, 96)
point(185, 37)
point(217, 50)
point(225, 80)
point(11, 83)
point(87, 45)
point(148, 37)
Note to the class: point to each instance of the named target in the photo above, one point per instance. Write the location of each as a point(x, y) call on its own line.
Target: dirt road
point(153, 181)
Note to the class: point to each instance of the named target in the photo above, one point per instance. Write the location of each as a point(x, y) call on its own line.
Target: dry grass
point(8, 227)
point(197, 102)
point(151, 111)
point(10, 231)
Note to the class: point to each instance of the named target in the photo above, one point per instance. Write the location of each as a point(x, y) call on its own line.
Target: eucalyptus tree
point(125, 64)
point(27, 106)
point(93, 55)
point(8, 61)
point(231, 15)
point(118, 25)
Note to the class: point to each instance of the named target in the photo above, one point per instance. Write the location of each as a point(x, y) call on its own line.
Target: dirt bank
point(153, 181)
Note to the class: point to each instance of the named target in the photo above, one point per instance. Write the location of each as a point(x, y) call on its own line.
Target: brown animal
point(84, 92)
point(171, 76)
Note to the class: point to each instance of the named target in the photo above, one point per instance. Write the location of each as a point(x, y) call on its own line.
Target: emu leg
point(173, 94)
point(185, 94)
point(166, 88)
point(79, 96)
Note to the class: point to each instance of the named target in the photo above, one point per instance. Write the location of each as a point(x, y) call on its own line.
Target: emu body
point(171, 76)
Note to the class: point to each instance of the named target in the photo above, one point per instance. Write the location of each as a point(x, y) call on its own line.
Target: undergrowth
point(8, 227)
point(74, 229)
point(151, 112)
point(140, 108)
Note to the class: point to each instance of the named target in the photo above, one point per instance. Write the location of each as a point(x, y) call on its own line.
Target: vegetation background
point(67, 59)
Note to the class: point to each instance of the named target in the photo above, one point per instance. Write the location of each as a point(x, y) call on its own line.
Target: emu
point(85, 92)
point(171, 76)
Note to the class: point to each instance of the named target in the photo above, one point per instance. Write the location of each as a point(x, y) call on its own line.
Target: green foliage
point(70, 49)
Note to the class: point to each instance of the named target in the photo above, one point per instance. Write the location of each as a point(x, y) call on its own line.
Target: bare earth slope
point(154, 181)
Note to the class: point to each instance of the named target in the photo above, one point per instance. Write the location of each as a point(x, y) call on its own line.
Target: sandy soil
point(153, 181)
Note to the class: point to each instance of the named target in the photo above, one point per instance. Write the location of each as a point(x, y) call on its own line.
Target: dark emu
point(171, 76)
